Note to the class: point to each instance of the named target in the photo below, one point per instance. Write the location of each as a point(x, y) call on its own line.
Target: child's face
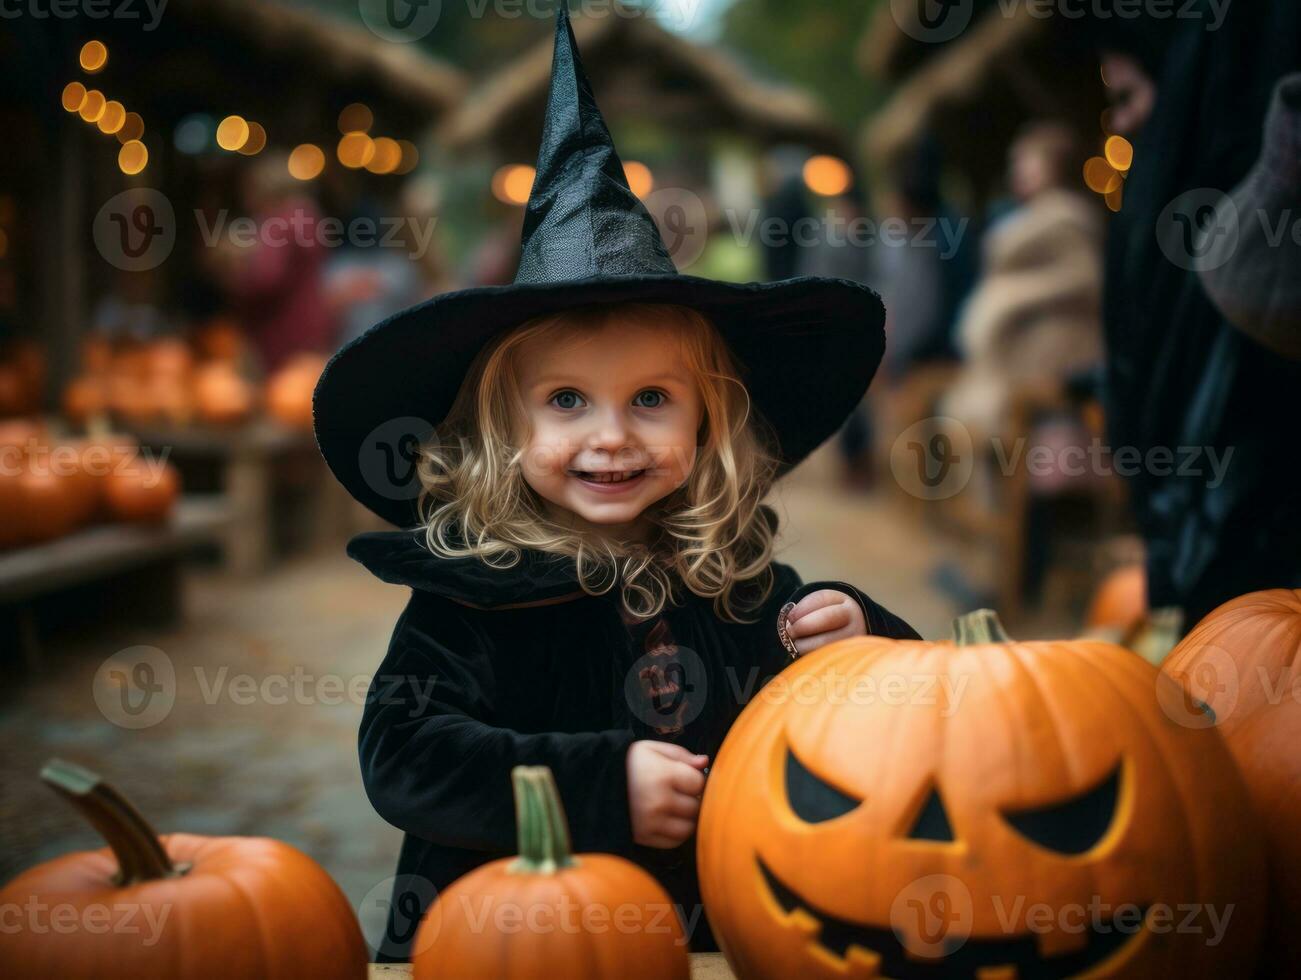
point(618, 401)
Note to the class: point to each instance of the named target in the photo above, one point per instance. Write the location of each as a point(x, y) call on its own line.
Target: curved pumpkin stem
point(544, 846)
point(981, 626)
point(140, 854)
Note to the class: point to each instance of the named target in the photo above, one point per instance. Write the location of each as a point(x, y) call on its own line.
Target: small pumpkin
point(50, 504)
point(289, 391)
point(221, 395)
point(220, 907)
point(1241, 656)
point(924, 809)
point(546, 891)
point(85, 397)
point(140, 493)
point(1120, 601)
point(220, 339)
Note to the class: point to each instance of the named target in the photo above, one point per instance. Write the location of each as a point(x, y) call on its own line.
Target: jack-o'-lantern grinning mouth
point(1020, 952)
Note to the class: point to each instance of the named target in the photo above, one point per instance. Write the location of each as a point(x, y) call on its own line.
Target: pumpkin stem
point(140, 854)
point(544, 846)
point(981, 626)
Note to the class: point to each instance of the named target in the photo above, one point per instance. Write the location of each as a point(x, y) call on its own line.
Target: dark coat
point(1180, 378)
point(493, 668)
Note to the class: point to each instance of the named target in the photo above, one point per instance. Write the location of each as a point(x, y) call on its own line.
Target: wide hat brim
point(807, 347)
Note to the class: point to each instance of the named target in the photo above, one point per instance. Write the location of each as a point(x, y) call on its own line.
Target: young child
point(583, 528)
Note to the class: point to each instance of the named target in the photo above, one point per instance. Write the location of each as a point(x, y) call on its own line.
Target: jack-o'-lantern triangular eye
point(1074, 825)
point(811, 798)
point(932, 821)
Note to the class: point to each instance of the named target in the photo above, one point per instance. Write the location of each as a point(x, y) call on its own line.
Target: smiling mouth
point(964, 959)
point(609, 476)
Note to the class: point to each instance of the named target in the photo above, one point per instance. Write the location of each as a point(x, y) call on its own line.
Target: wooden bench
point(255, 464)
point(103, 569)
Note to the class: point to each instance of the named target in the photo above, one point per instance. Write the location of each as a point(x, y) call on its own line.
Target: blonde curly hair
point(712, 535)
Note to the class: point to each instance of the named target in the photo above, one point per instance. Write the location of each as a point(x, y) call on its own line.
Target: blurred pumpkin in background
point(143, 492)
point(1120, 601)
point(221, 395)
point(902, 808)
point(198, 907)
point(545, 884)
point(85, 397)
point(43, 499)
point(289, 390)
point(1241, 656)
point(220, 339)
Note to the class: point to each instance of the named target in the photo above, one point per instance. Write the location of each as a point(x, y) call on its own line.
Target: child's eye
point(659, 397)
point(566, 399)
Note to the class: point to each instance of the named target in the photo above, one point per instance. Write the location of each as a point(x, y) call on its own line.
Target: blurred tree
point(811, 45)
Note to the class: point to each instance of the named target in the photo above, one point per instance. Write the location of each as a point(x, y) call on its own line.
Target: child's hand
point(664, 787)
point(823, 617)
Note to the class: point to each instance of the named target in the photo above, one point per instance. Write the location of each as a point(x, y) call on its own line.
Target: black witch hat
point(807, 346)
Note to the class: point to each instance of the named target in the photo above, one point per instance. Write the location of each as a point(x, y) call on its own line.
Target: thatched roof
point(974, 94)
point(347, 53)
point(639, 69)
point(900, 37)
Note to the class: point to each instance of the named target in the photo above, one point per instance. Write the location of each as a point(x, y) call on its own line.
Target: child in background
point(583, 526)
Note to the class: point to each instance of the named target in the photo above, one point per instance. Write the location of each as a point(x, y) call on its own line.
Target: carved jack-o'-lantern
point(978, 808)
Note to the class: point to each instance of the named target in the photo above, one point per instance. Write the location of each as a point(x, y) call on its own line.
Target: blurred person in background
point(367, 285)
point(842, 252)
point(1035, 317)
point(276, 284)
point(786, 206)
point(925, 280)
point(1180, 377)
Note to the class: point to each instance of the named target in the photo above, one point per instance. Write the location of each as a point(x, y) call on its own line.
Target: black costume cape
point(492, 668)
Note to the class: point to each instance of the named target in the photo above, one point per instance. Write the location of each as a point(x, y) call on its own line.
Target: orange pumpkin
point(1268, 750)
point(180, 906)
point(550, 895)
point(169, 356)
point(220, 339)
point(975, 808)
point(19, 440)
point(289, 391)
point(1120, 602)
point(144, 492)
point(96, 353)
point(14, 396)
point(49, 503)
point(1242, 656)
point(85, 397)
point(221, 395)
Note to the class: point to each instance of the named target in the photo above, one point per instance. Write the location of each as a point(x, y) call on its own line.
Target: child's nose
point(610, 430)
